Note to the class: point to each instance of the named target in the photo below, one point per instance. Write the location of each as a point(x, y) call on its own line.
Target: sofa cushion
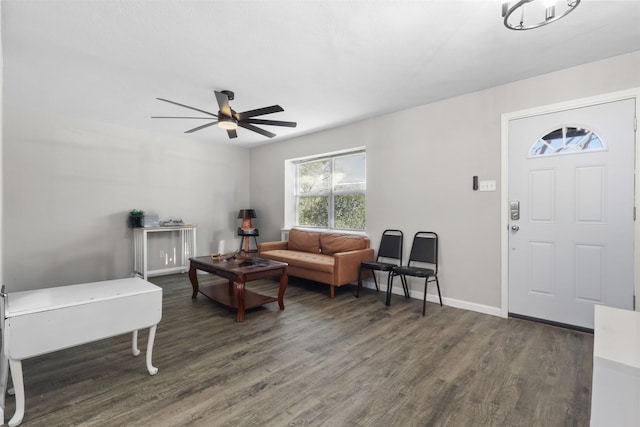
point(317, 262)
point(304, 241)
point(332, 243)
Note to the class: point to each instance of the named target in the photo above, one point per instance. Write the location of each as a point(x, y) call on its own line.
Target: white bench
point(47, 320)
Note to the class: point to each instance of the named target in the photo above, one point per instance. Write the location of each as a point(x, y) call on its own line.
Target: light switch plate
point(487, 186)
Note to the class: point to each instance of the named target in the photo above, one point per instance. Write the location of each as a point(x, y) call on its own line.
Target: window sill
point(284, 232)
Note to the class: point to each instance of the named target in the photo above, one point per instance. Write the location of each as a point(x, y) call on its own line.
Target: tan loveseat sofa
point(330, 258)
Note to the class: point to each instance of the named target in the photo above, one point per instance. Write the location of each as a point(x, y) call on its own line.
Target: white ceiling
point(327, 63)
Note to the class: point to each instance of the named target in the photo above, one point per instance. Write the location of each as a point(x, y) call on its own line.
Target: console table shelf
point(141, 253)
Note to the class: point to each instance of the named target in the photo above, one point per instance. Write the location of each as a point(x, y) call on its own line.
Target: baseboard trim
point(451, 302)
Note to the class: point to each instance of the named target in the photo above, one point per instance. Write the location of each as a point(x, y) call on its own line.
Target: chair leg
point(373, 273)
point(424, 299)
point(389, 288)
point(438, 286)
point(389, 284)
point(405, 286)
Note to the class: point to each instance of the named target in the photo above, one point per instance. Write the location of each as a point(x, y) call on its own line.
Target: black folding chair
point(424, 250)
point(390, 249)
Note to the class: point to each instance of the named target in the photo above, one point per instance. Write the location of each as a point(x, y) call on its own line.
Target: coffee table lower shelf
point(225, 294)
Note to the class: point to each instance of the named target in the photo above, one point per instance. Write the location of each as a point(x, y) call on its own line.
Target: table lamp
point(247, 215)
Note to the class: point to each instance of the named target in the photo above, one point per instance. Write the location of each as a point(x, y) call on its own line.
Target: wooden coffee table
point(238, 271)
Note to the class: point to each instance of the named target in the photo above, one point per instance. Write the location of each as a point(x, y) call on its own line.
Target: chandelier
point(539, 12)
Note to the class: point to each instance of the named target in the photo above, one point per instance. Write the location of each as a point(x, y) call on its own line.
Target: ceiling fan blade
point(256, 129)
point(202, 127)
point(232, 133)
point(186, 106)
point(223, 103)
point(270, 122)
point(172, 117)
point(258, 112)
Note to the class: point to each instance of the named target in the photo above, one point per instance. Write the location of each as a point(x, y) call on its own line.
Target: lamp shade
point(247, 213)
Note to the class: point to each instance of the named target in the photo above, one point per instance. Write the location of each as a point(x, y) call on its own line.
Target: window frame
point(330, 192)
point(565, 149)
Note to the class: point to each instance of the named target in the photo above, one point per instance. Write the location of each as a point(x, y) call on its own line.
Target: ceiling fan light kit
point(227, 123)
point(540, 12)
point(230, 120)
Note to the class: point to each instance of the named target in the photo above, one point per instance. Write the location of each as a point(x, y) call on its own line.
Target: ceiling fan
point(229, 120)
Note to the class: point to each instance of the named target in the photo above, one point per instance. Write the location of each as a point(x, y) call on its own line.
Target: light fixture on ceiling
point(539, 12)
point(229, 120)
point(227, 123)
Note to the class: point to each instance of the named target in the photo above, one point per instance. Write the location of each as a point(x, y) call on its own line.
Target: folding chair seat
point(390, 249)
point(424, 251)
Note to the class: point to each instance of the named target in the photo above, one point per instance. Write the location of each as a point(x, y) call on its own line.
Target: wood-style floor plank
point(341, 362)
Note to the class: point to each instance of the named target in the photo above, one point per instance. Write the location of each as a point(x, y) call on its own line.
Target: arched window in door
point(567, 140)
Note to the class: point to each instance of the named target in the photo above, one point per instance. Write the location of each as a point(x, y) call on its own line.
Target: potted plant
point(135, 218)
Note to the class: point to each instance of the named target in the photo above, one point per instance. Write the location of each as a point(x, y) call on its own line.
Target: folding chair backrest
point(391, 245)
point(424, 248)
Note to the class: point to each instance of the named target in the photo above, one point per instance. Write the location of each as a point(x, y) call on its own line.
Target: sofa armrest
point(271, 246)
point(347, 265)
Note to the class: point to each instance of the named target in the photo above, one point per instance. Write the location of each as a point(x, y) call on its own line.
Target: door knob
point(515, 228)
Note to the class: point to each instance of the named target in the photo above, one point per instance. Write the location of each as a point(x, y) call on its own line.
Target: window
point(330, 191)
point(567, 140)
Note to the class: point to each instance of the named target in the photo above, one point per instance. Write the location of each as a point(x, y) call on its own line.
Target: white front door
point(572, 245)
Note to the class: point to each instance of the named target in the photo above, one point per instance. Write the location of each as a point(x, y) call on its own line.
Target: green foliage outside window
point(314, 177)
point(349, 211)
point(330, 192)
point(313, 211)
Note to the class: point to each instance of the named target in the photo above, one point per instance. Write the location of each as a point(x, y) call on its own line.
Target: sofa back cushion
point(332, 243)
point(304, 241)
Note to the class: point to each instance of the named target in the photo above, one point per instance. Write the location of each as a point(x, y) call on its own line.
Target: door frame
point(504, 179)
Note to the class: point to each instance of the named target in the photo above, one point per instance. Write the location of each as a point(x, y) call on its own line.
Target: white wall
point(1, 143)
point(69, 185)
point(420, 164)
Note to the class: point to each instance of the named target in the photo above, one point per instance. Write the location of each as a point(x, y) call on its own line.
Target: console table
point(51, 319)
point(141, 254)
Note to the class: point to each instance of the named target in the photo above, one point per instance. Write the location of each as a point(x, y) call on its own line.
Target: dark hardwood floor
point(341, 362)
